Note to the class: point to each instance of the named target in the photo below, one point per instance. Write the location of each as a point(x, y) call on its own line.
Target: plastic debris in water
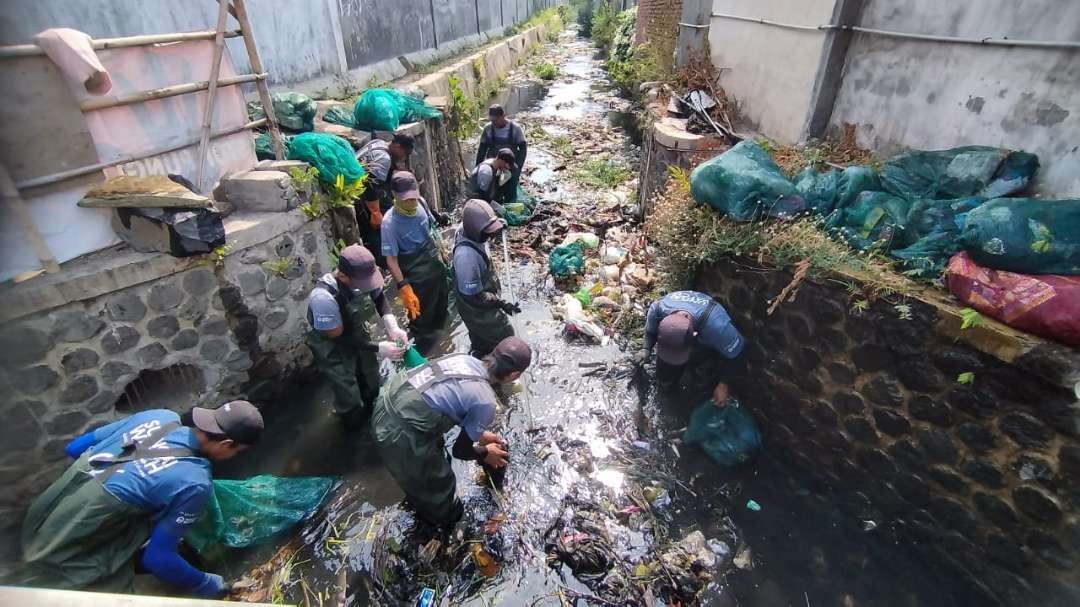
point(753, 506)
point(484, 561)
point(718, 547)
point(869, 525)
point(640, 444)
point(426, 598)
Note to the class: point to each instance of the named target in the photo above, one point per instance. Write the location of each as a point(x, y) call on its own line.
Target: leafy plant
point(464, 110)
point(563, 145)
point(601, 173)
point(970, 318)
point(680, 178)
point(278, 266)
point(374, 82)
point(335, 252)
point(903, 311)
point(967, 377)
point(343, 195)
point(602, 26)
point(304, 180)
point(1043, 238)
point(545, 70)
point(220, 253)
point(313, 209)
point(859, 307)
point(478, 69)
point(553, 36)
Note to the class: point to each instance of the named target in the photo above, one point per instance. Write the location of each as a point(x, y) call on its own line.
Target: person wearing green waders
point(417, 407)
point(415, 260)
point(476, 283)
point(339, 308)
point(380, 159)
point(500, 134)
point(135, 488)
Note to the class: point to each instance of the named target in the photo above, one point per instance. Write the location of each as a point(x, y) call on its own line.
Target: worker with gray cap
point(380, 158)
point(339, 308)
point(420, 405)
point(475, 281)
point(684, 325)
point(488, 178)
point(500, 134)
point(137, 485)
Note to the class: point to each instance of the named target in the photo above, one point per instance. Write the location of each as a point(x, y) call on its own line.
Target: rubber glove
point(510, 308)
point(393, 331)
point(411, 301)
point(389, 349)
point(374, 214)
point(640, 357)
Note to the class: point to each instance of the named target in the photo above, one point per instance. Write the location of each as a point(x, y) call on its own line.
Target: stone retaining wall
point(982, 479)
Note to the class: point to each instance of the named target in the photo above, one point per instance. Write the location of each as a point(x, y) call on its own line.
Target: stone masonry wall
point(235, 329)
point(982, 480)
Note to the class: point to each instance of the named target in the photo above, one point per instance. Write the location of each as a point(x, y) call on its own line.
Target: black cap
point(238, 420)
point(359, 265)
point(514, 352)
point(405, 141)
point(507, 156)
point(496, 110)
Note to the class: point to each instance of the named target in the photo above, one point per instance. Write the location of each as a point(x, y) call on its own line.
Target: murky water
point(584, 438)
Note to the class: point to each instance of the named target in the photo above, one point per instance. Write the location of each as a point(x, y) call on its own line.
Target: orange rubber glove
point(374, 214)
point(411, 301)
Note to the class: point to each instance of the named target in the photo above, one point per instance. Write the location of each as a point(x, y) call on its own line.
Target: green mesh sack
point(876, 219)
point(972, 170)
point(245, 513)
point(855, 180)
point(729, 435)
point(935, 226)
point(294, 111)
point(820, 190)
point(331, 154)
point(744, 183)
point(518, 213)
point(339, 115)
point(1025, 235)
point(264, 150)
point(565, 261)
point(387, 109)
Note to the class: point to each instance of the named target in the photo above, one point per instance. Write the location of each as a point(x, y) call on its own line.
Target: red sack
point(1046, 305)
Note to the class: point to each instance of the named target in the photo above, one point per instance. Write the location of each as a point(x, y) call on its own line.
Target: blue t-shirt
point(469, 267)
point(717, 332)
point(323, 310)
point(471, 404)
point(401, 234)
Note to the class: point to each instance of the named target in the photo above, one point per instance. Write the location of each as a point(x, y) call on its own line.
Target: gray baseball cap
point(238, 420)
point(514, 350)
point(675, 338)
point(478, 219)
point(359, 265)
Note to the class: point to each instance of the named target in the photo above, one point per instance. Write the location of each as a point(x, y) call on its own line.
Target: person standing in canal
point(688, 329)
point(380, 159)
point(135, 488)
point(415, 260)
point(339, 308)
point(477, 285)
point(488, 178)
point(500, 134)
point(420, 405)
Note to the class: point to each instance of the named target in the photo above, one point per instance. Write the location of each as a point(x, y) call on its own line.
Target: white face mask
point(504, 176)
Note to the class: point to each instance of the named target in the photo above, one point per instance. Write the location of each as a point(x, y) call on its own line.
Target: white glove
point(389, 349)
point(393, 332)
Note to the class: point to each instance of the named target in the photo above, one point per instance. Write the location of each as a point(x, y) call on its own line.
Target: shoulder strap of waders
point(453, 366)
point(464, 242)
point(140, 450)
point(705, 316)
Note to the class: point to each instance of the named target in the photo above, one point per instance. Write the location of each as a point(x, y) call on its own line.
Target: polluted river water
point(598, 494)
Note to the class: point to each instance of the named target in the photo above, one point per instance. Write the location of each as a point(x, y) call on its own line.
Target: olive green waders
point(409, 436)
point(425, 271)
point(487, 326)
point(353, 374)
point(78, 536)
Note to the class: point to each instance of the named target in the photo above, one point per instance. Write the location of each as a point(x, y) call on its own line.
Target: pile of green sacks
point(921, 207)
point(293, 111)
point(382, 110)
point(264, 148)
point(331, 154)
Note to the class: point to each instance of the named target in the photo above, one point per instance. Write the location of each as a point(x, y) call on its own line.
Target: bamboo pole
point(164, 92)
point(13, 200)
point(215, 71)
point(240, 12)
point(93, 168)
point(29, 50)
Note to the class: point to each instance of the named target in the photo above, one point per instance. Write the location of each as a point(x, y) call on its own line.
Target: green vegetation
point(464, 110)
point(601, 173)
point(340, 194)
point(563, 145)
point(967, 377)
point(969, 317)
point(304, 180)
point(278, 266)
point(220, 253)
point(602, 26)
point(643, 64)
point(335, 252)
point(553, 36)
point(545, 70)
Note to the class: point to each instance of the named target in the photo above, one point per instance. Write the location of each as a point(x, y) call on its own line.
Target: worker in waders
point(418, 406)
point(380, 160)
point(415, 260)
point(500, 134)
point(135, 488)
point(477, 285)
point(690, 329)
point(488, 178)
point(339, 308)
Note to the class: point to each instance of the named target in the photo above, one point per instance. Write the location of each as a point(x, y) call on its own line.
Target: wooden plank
point(30, 50)
point(208, 115)
point(100, 103)
point(240, 12)
point(13, 200)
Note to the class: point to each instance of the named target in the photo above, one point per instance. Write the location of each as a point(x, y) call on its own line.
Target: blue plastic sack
point(729, 435)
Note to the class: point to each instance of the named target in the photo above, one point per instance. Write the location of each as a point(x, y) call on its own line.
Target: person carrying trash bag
point(724, 429)
point(488, 178)
point(135, 488)
point(688, 329)
point(380, 159)
point(415, 261)
point(418, 406)
point(339, 308)
point(476, 283)
point(498, 135)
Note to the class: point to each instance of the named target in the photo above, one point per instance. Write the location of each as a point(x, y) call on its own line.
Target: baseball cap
point(359, 265)
point(478, 218)
point(507, 156)
point(514, 350)
point(675, 338)
point(403, 185)
point(496, 110)
point(238, 420)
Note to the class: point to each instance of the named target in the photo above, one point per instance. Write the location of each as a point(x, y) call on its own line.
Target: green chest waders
point(487, 326)
point(78, 536)
point(409, 436)
point(426, 273)
point(353, 374)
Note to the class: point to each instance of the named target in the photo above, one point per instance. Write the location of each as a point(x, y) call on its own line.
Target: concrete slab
point(280, 165)
point(260, 191)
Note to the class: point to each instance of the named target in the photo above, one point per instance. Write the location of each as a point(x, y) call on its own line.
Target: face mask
point(406, 207)
point(504, 176)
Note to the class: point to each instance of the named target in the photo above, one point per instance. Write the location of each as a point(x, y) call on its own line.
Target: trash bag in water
point(566, 260)
point(294, 111)
point(874, 219)
point(387, 109)
point(728, 434)
point(518, 213)
point(744, 183)
point(246, 513)
point(264, 149)
point(957, 173)
point(1025, 235)
point(935, 226)
point(339, 115)
point(331, 154)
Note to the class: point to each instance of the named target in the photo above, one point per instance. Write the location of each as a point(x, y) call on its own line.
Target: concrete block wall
point(981, 480)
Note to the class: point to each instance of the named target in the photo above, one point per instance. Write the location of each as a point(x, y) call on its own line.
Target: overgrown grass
point(643, 64)
point(545, 70)
point(602, 26)
point(601, 173)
